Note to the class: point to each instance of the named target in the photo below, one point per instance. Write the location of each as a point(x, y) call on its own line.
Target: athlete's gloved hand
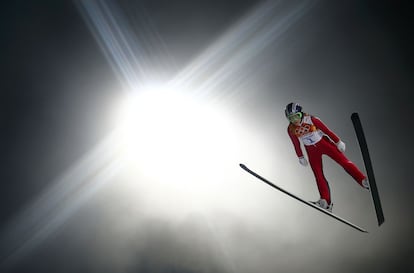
point(303, 161)
point(341, 146)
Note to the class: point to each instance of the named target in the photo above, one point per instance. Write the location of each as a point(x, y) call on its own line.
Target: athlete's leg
point(332, 151)
point(315, 161)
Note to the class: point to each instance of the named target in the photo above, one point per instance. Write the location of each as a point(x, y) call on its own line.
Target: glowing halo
point(167, 135)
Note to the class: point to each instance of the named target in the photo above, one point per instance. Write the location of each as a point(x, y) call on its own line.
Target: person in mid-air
point(318, 140)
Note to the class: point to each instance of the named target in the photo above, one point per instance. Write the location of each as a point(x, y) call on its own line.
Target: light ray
point(223, 66)
point(229, 64)
point(57, 203)
point(128, 54)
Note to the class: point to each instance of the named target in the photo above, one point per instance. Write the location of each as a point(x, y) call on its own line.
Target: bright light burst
point(168, 135)
point(188, 147)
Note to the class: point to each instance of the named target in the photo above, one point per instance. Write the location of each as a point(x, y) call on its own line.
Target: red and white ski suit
point(319, 140)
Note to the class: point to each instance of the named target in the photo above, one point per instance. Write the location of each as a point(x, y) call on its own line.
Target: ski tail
point(368, 166)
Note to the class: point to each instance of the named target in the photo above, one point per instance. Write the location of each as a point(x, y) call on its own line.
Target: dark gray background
point(340, 57)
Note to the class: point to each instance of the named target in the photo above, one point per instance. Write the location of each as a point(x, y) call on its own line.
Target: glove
point(303, 161)
point(341, 146)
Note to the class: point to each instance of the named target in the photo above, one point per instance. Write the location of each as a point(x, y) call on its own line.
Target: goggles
point(294, 117)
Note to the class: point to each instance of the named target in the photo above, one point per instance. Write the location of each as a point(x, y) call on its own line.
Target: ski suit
point(318, 140)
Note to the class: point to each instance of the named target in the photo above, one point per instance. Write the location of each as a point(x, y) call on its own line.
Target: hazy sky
point(68, 204)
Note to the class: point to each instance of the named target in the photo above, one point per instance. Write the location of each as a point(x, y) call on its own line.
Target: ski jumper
point(318, 140)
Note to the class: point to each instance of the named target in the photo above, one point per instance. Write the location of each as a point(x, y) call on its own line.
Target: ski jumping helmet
point(292, 109)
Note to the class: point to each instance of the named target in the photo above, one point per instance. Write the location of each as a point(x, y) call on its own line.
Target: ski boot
point(365, 184)
point(323, 204)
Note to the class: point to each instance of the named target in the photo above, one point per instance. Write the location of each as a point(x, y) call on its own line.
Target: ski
point(368, 166)
point(302, 200)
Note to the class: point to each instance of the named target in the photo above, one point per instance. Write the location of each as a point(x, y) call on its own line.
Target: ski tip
point(242, 166)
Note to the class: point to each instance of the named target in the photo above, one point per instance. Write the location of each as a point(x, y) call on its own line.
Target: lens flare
point(171, 137)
